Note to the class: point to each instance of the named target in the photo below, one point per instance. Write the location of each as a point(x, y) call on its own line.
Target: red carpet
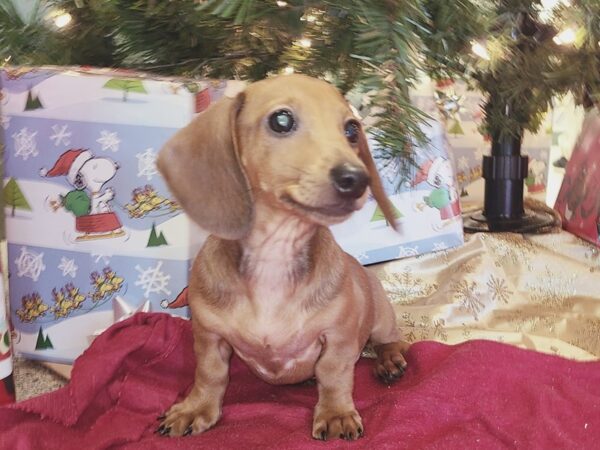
point(475, 395)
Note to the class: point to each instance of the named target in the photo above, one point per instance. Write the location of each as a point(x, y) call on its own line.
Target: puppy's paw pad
point(346, 426)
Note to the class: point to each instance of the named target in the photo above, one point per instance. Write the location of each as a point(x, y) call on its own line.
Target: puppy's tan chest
point(278, 344)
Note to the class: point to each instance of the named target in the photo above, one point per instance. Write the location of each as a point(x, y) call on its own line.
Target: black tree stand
point(504, 173)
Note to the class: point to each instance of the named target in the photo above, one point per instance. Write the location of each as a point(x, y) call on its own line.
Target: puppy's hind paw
point(390, 363)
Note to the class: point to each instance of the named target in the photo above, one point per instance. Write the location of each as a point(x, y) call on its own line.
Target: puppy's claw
point(323, 435)
point(188, 431)
point(161, 417)
point(401, 367)
point(389, 377)
point(360, 432)
point(163, 430)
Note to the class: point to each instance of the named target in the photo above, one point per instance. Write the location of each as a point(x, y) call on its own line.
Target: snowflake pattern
point(588, 336)
point(362, 257)
point(147, 164)
point(61, 135)
point(152, 280)
point(463, 163)
point(68, 267)
point(466, 294)
point(25, 143)
point(439, 330)
point(5, 121)
point(511, 250)
point(390, 170)
point(439, 246)
point(30, 264)
point(553, 291)
point(530, 321)
point(109, 141)
point(100, 257)
point(498, 289)
point(404, 288)
point(404, 252)
point(424, 329)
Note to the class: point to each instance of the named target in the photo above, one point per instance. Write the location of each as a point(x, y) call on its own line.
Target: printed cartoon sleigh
point(90, 206)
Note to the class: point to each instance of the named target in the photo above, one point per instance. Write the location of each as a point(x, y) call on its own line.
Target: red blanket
point(475, 395)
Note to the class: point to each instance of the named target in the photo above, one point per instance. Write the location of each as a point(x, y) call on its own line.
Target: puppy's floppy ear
point(376, 186)
point(201, 166)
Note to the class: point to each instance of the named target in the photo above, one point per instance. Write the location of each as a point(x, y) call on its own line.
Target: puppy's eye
point(282, 121)
point(352, 131)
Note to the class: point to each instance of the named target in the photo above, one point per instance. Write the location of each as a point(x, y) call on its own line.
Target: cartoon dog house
point(88, 174)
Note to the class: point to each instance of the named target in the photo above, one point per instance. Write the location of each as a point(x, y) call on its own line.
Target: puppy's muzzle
point(349, 181)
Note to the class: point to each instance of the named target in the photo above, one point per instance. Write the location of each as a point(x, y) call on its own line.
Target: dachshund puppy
point(265, 173)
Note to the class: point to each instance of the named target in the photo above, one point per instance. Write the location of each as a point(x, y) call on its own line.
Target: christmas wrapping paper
point(578, 201)
point(460, 110)
point(92, 229)
point(426, 206)
point(425, 196)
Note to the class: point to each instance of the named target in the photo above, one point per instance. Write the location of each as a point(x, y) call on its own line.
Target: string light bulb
point(565, 37)
point(61, 19)
point(305, 42)
point(281, 3)
point(288, 70)
point(480, 50)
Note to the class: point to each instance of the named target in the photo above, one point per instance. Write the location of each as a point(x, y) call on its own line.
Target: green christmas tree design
point(456, 128)
point(33, 102)
point(126, 85)
point(378, 214)
point(13, 196)
point(43, 343)
point(156, 240)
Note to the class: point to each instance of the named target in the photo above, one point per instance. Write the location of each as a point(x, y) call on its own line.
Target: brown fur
point(271, 284)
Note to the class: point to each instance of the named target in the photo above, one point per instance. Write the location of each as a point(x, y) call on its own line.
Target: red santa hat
point(179, 302)
point(423, 172)
point(68, 164)
point(429, 170)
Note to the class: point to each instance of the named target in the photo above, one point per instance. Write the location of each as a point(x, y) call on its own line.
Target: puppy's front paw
point(333, 424)
point(188, 417)
point(390, 363)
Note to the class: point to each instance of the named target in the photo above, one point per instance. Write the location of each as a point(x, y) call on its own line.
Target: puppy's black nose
point(349, 181)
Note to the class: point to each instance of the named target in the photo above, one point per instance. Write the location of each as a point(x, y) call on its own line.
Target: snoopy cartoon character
point(439, 175)
point(90, 205)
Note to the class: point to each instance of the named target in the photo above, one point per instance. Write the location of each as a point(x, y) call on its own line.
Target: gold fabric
point(540, 292)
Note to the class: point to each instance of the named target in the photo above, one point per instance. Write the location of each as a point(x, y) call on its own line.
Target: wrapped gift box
point(578, 201)
point(93, 233)
point(426, 204)
point(460, 110)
